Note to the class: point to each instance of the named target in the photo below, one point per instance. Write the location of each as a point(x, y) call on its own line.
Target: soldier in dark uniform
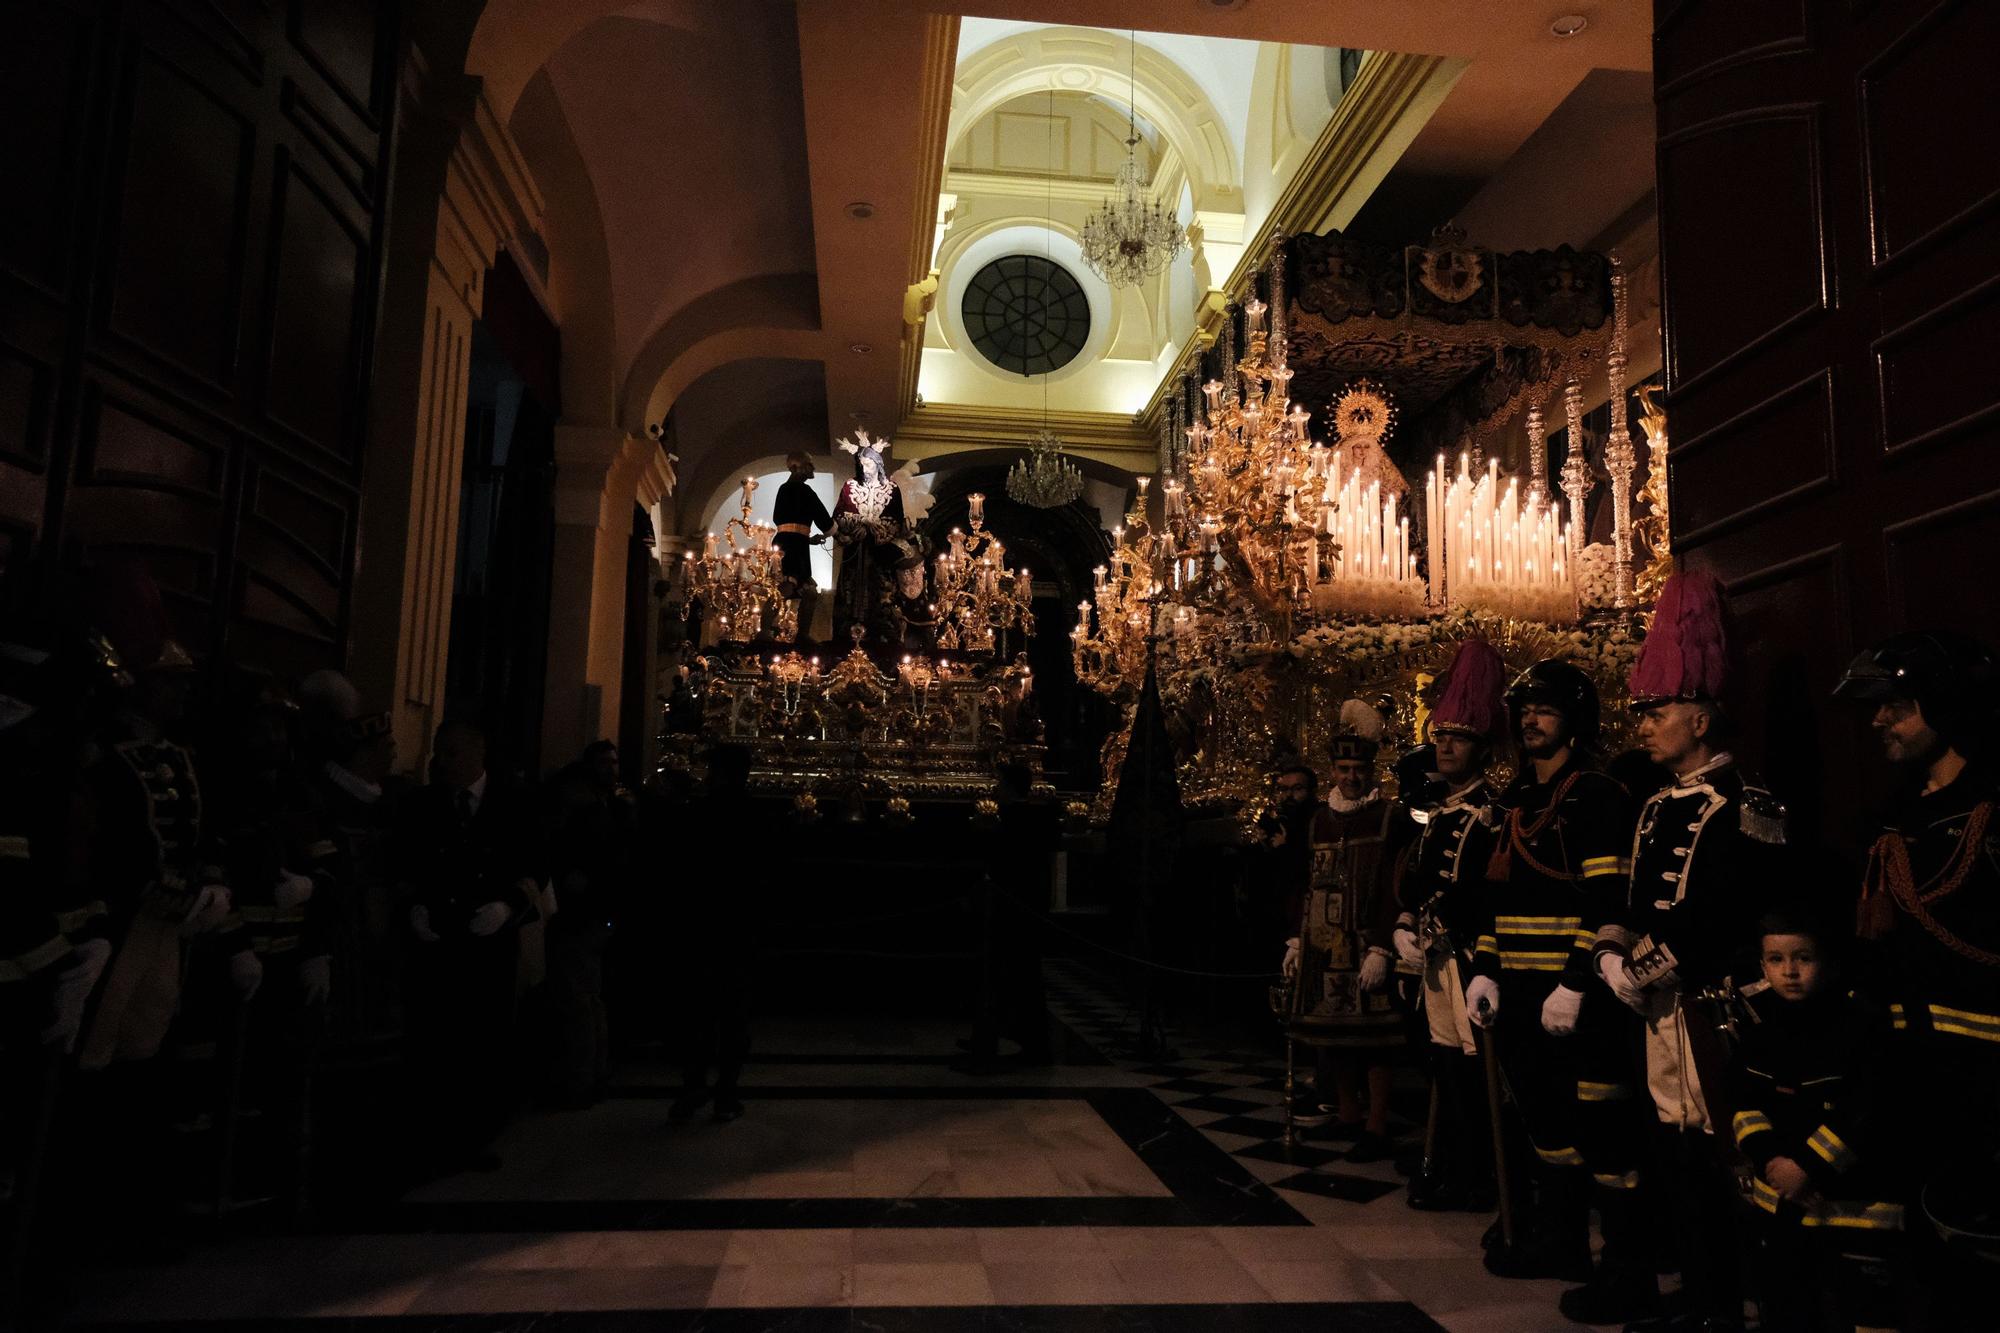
point(1570, 1056)
point(1341, 959)
point(1704, 856)
point(150, 856)
point(1930, 916)
point(796, 512)
point(349, 754)
point(1443, 893)
point(1809, 1105)
point(592, 854)
point(52, 946)
point(283, 868)
point(469, 855)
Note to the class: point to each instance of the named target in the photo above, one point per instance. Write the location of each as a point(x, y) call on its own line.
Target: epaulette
point(1762, 816)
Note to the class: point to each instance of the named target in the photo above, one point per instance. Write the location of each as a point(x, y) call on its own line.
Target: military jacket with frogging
point(1444, 878)
point(1704, 861)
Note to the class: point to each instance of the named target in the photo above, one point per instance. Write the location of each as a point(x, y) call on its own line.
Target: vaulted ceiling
point(702, 160)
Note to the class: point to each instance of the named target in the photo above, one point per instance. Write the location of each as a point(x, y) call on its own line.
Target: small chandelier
point(1132, 237)
point(1046, 478)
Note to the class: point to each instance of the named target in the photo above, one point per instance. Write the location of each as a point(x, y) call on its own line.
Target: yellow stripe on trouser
point(1857, 1216)
point(1628, 1181)
point(1830, 1149)
point(1560, 1156)
point(1536, 925)
point(1605, 865)
point(1837, 1213)
point(1587, 1091)
point(1747, 1123)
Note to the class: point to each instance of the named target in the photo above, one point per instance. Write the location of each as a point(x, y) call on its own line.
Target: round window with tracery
point(1026, 314)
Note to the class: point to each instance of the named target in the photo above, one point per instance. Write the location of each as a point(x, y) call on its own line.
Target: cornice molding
point(949, 428)
point(933, 123)
point(1375, 109)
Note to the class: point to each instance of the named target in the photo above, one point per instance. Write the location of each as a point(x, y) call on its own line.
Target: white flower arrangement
point(1596, 575)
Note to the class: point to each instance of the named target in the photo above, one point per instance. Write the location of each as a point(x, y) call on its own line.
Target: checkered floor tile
point(1235, 1097)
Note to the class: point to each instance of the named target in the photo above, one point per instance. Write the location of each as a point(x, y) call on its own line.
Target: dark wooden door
point(190, 258)
point(1829, 195)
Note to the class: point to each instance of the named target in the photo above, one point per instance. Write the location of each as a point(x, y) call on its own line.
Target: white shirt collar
point(1341, 805)
point(478, 793)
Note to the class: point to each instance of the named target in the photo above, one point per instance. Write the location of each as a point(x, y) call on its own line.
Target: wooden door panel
point(319, 277)
point(1842, 474)
point(1774, 453)
point(187, 301)
point(1927, 135)
point(176, 240)
point(1770, 263)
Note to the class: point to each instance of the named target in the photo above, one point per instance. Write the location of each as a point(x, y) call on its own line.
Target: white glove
point(1407, 947)
point(72, 994)
point(211, 909)
point(316, 979)
point(489, 918)
point(246, 973)
point(1482, 1001)
point(1559, 1011)
point(1290, 967)
point(290, 891)
point(1612, 968)
point(420, 924)
point(1374, 970)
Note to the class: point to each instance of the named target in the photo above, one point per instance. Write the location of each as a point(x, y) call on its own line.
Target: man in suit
point(469, 859)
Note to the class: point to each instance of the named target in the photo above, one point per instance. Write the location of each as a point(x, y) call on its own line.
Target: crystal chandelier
point(1045, 478)
point(1132, 237)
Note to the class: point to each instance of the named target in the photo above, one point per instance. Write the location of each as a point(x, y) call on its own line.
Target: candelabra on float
point(978, 601)
point(739, 586)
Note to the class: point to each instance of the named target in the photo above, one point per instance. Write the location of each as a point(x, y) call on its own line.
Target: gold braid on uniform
point(1889, 868)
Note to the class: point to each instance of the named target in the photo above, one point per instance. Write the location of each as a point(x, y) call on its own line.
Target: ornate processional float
point(1280, 573)
point(924, 690)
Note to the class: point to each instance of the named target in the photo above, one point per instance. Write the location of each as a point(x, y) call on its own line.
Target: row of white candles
point(1373, 541)
point(1489, 545)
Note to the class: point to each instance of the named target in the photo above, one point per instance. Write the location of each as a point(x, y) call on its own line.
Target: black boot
point(1617, 1293)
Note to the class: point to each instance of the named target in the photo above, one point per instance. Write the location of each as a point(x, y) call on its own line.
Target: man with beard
point(1443, 896)
point(1569, 1056)
point(1930, 910)
point(1341, 957)
point(1704, 856)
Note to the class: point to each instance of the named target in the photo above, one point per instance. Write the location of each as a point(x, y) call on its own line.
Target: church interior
point(999, 665)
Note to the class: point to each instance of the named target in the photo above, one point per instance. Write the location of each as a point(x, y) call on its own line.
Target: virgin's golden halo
point(1364, 412)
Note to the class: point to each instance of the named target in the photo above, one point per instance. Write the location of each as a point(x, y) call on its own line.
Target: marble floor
point(871, 1186)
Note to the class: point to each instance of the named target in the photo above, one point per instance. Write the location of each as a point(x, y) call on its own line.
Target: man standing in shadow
point(469, 859)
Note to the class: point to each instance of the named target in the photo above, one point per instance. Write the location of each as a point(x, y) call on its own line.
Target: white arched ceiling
point(1085, 60)
point(1220, 66)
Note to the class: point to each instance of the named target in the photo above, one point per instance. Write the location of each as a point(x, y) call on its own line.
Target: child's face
point(1791, 965)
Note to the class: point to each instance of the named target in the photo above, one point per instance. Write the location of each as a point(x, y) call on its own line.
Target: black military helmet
point(1950, 676)
point(1556, 684)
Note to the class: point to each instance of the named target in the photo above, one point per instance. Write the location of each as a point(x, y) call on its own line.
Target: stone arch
point(1091, 60)
point(769, 315)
